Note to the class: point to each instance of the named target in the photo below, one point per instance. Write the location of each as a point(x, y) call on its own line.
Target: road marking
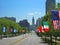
point(16, 43)
point(20, 40)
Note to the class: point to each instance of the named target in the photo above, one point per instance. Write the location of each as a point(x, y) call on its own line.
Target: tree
point(8, 23)
point(24, 23)
point(58, 6)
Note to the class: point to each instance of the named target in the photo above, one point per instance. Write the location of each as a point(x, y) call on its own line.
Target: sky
point(22, 9)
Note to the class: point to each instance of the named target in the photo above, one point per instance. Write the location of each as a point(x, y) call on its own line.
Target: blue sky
point(22, 9)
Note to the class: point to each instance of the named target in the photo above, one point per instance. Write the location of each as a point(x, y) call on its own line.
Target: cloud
point(31, 14)
point(34, 13)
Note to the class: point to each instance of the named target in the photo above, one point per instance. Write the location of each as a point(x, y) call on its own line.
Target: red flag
point(10, 29)
point(55, 23)
point(46, 28)
point(40, 29)
point(59, 14)
point(59, 19)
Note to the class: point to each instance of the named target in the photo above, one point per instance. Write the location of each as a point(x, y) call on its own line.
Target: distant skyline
point(22, 9)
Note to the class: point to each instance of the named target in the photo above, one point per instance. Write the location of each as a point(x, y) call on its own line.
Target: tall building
point(38, 22)
point(33, 21)
point(32, 27)
point(50, 4)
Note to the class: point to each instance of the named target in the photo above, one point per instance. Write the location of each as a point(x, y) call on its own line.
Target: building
point(50, 4)
point(24, 23)
point(32, 27)
point(33, 21)
point(38, 22)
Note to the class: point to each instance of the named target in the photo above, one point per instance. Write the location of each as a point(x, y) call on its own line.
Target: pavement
point(26, 39)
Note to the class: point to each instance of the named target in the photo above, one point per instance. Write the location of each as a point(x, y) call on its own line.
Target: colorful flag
point(11, 30)
point(46, 26)
point(55, 15)
point(4, 29)
point(55, 23)
point(59, 14)
point(55, 18)
point(15, 30)
point(40, 29)
point(59, 19)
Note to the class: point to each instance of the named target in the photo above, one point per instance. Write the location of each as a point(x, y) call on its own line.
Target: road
point(26, 39)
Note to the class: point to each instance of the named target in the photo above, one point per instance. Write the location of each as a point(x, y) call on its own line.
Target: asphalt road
point(26, 39)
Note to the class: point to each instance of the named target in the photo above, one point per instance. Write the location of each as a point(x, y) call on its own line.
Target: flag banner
point(55, 23)
point(59, 24)
point(56, 19)
point(55, 15)
point(40, 28)
point(46, 26)
point(11, 30)
point(59, 14)
point(15, 30)
point(4, 29)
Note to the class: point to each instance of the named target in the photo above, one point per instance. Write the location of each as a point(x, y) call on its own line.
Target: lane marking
point(16, 43)
point(20, 40)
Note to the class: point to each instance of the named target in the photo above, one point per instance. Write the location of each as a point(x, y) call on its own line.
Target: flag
point(55, 18)
point(55, 23)
point(11, 30)
point(59, 19)
point(46, 26)
point(15, 30)
point(55, 15)
point(40, 29)
point(4, 29)
point(59, 14)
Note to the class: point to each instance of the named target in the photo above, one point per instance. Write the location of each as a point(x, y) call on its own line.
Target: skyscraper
point(38, 22)
point(33, 21)
point(50, 4)
point(32, 27)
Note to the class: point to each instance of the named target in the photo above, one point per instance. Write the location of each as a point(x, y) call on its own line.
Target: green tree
point(8, 23)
